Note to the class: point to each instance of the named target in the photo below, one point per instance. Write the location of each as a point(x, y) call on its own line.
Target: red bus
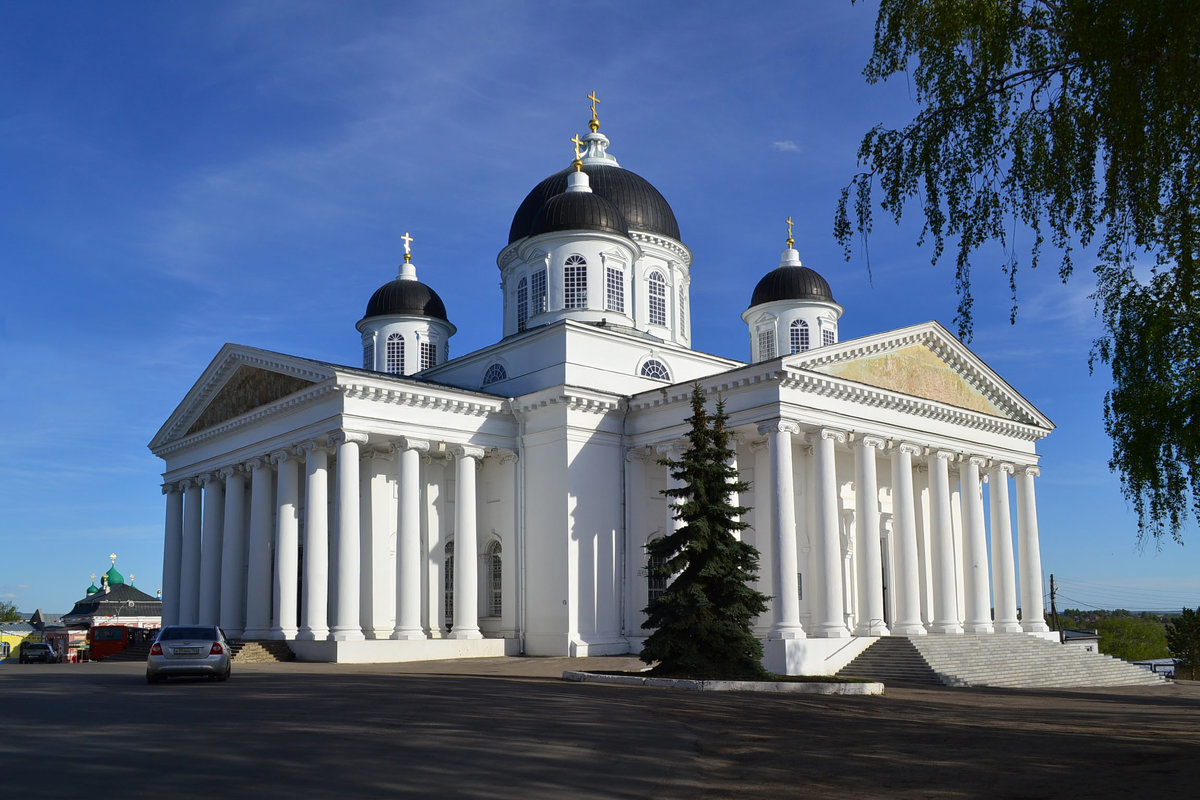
point(104, 640)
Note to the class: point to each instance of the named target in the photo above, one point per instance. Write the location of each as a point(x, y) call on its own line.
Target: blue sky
point(176, 176)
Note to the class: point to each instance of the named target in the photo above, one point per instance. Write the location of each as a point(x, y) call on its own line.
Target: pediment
point(927, 362)
point(240, 381)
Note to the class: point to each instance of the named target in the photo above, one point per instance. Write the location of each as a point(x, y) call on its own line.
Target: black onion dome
point(791, 283)
point(578, 211)
point(405, 297)
point(642, 206)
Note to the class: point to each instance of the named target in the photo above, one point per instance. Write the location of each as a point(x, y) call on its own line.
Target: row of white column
point(213, 576)
point(828, 618)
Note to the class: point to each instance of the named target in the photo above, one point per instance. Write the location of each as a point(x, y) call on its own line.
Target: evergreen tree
point(701, 622)
point(1183, 639)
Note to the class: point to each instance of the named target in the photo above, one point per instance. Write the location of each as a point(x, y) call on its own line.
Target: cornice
point(414, 397)
point(573, 399)
point(670, 245)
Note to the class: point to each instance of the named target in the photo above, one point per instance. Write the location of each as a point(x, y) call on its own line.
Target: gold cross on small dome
point(595, 123)
point(790, 240)
point(408, 240)
point(578, 144)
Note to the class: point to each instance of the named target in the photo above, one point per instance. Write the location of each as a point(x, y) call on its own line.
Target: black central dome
point(575, 211)
point(791, 283)
point(641, 205)
point(406, 297)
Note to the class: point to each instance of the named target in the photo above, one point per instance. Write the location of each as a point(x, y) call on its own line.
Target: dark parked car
point(39, 652)
point(189, 650)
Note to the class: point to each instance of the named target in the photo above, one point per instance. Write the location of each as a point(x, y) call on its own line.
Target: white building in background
point(500, 502)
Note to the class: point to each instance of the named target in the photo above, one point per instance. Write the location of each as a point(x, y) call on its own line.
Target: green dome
point(91, 590)
point(113, 576)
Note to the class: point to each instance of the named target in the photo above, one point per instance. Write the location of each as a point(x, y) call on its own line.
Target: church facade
point(422, 506)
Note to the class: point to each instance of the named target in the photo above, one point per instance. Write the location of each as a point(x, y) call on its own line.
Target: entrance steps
point(1014, 660)
point(260, 652)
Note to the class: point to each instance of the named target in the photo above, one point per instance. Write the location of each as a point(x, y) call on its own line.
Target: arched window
point(493, 573)
point(395, 354)
point(658, 299)
point(522, 303)
point(655, 369)
point(655, 584)
point(495, 372)
point(448, 583)
point(575, 282)
point(827, 336)
point(369, 355)
point(537, 299)
point(799, 336)
point(614, 297)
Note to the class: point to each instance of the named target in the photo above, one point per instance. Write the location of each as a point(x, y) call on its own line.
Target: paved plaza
point(509, 728)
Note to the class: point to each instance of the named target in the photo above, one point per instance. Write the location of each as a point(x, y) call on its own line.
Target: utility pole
point(1053, 608)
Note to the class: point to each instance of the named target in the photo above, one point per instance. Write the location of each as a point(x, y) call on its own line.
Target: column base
point(1035, 627)
point(908, 629)
point(407, 635)
point(946, 628)
point(305, 634)
point(281, 634)
point(256, 633)
point(830, 632)
point(465, 633)
point(787, 632)
point(977, 627)
point(1008, 627)
point(347, 635)
point(867, 629)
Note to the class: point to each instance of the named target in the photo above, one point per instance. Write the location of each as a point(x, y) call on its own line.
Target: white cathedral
point(500, 502)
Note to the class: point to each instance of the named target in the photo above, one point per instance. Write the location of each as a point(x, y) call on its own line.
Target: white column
point(907, 578)
point(189, 570)
point(1033, 615)
point(233, 554)
point(210, 554)
point(1004, 573)
point(314, 614)
point(258, 568)
point(945, 596)
point(172, 553)
point(870, 556)
point(783, 530)
point(978, 617)
point(408, 540)
point(287, 545)
point(347, 627)
point(466, 548)
point(763, 514)
point(508, 565)
point(830, 621)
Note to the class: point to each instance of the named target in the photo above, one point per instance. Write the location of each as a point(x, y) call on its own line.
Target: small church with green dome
point(412, 504)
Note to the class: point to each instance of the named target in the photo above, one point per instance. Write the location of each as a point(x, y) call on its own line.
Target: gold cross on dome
point(113, 556)
point(408, 240)
point(578, 144)
point(595, 123)
point(93, 577)
point(790, 240)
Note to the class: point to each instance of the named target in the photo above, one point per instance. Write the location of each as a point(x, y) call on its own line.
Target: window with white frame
point(537, 292)
point(575, 282)
point(428, 355)
point(614, 296)
point(799, 332)
point(395, 354)
point(494, 373)
point(493, 569)
point(522, 303)
point(5, 649)
point(448, 583)
point(827, 336)
point(654, 368)
point(369, 354)
point(766, 344)
point(658, 299)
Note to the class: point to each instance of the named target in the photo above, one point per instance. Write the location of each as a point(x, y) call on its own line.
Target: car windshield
point(182, 632)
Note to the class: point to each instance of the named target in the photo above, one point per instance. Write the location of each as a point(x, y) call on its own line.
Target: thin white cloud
point(786, 146)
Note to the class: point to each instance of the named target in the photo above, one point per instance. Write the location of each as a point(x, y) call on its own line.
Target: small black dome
point(642, 206)
point(405, 297)
point(575, 211)
point(791, 283)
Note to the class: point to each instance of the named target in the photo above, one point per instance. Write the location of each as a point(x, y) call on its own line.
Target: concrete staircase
point(1002, 659)
point(260, 652)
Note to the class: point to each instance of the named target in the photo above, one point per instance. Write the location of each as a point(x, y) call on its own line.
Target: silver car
point(189, 650)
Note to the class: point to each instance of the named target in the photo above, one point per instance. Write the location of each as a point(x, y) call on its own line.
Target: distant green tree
point(1132, 638)
point(9, 612)
point(1183, 640)
point(702, 621)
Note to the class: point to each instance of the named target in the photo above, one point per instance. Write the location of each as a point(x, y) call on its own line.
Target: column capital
point(255, 463)
point(1032, 470)
point(408, 443)
point(187, 483)
point(228, 472)
point(759, 445)
point(978, 461)
point(779, 426)
point(1003, 466)
point(908, 447)
point(467, 451)
point(672, 450)
point(836, 436)
point(635, 454)
point(502, 455)
point(304, 448)
point(866, 440)
point(949, 456)
point(343, 437)
point(169, 487)
point(279, 456)
point(205, 478)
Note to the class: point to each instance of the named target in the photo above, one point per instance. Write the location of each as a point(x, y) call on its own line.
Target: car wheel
point(225, 675)
point(152, 678)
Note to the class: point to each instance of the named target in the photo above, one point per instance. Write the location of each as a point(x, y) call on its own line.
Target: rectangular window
point(615, 297)
point(538, 292)
point(575, 285)
point(827, 337)
point(766, 345)
point(682, 314)
point(369, 355)
point(522, 305)
point(428, 355)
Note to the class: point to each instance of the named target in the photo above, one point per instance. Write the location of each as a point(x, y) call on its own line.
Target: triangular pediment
point(239, 381)
point(927, 362)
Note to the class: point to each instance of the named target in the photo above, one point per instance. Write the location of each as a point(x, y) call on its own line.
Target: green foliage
point(9, 612)
point(1183, 640)
point(702, 622)
point(1080, 120)
point(1123, 634)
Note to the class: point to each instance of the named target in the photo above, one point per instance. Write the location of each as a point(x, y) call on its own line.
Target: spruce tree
point(701, 622)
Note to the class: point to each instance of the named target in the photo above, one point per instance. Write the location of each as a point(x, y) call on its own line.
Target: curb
point(777, 687)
